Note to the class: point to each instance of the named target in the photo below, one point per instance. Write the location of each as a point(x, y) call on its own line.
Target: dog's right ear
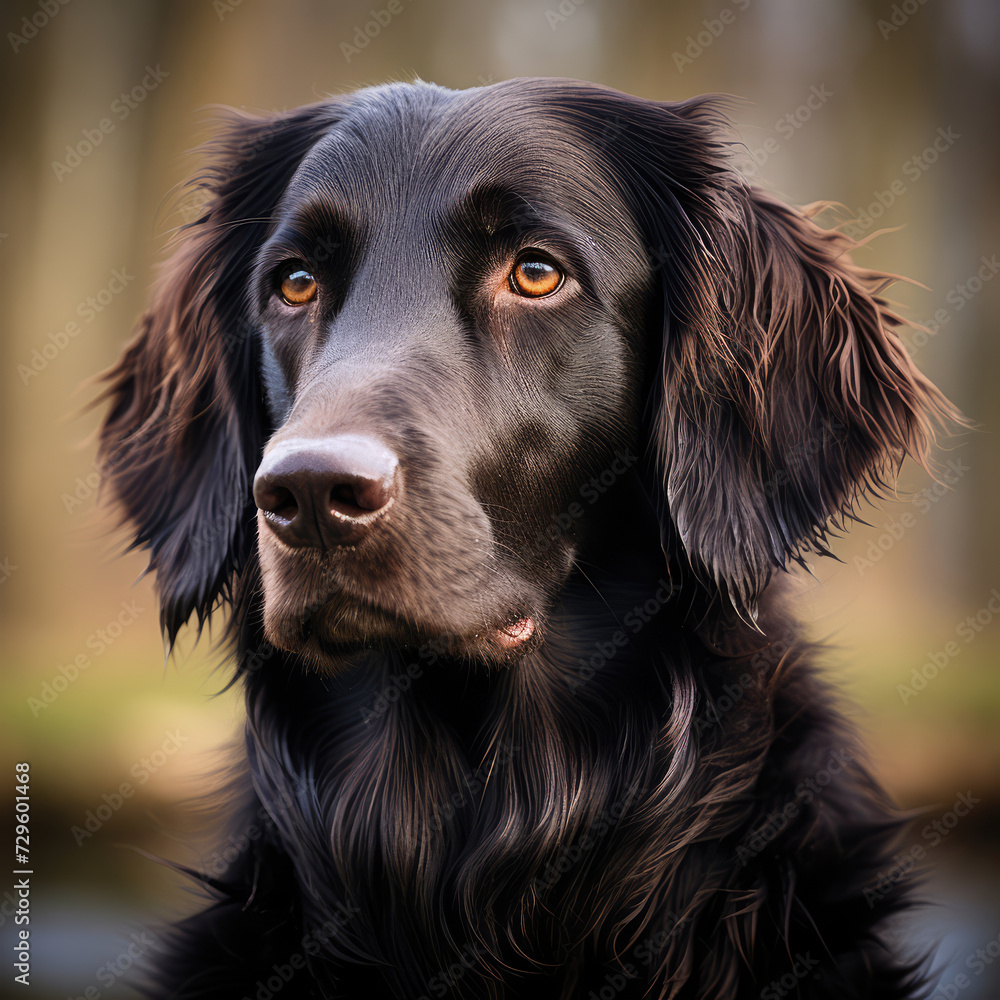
point(185, 428)
point(786, 392)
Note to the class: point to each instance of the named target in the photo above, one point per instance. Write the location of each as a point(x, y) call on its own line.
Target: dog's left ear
point(786, 392)
point(185, 426)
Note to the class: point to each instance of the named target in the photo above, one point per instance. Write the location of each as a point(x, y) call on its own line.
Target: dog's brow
point(493, 206)
point(314, 214)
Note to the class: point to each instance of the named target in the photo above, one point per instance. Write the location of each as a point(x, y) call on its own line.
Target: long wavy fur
point(656, 831)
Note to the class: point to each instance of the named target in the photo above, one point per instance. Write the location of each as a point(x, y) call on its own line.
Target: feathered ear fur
point(786, 392)
point(185, 428)
point(785, 397)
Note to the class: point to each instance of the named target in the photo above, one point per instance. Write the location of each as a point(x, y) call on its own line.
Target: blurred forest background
point(889, 108)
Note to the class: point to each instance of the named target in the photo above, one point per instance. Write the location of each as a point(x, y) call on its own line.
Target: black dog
point(535, 396)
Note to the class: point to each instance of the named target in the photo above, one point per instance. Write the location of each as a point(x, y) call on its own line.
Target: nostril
point(345, 493)
point(360, 495)
point(278, 503)
point(343, 500)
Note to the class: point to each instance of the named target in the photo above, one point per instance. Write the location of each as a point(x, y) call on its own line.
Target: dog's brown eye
point(535, 277)
point(298, 287)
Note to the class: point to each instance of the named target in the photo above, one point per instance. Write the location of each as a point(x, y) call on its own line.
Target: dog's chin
point(330, 638)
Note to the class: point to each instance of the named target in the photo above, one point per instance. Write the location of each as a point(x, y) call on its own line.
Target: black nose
point(324, 492)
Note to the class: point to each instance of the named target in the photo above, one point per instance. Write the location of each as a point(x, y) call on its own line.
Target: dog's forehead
point(403, 145)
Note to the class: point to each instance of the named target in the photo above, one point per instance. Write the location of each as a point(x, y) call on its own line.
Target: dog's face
point(414, 322)
point(451, 307)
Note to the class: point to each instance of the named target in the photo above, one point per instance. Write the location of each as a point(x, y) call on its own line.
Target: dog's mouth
point(414, 584)
point(338, 630)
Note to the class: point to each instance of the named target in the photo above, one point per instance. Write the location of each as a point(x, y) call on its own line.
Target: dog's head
point(424, 330)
